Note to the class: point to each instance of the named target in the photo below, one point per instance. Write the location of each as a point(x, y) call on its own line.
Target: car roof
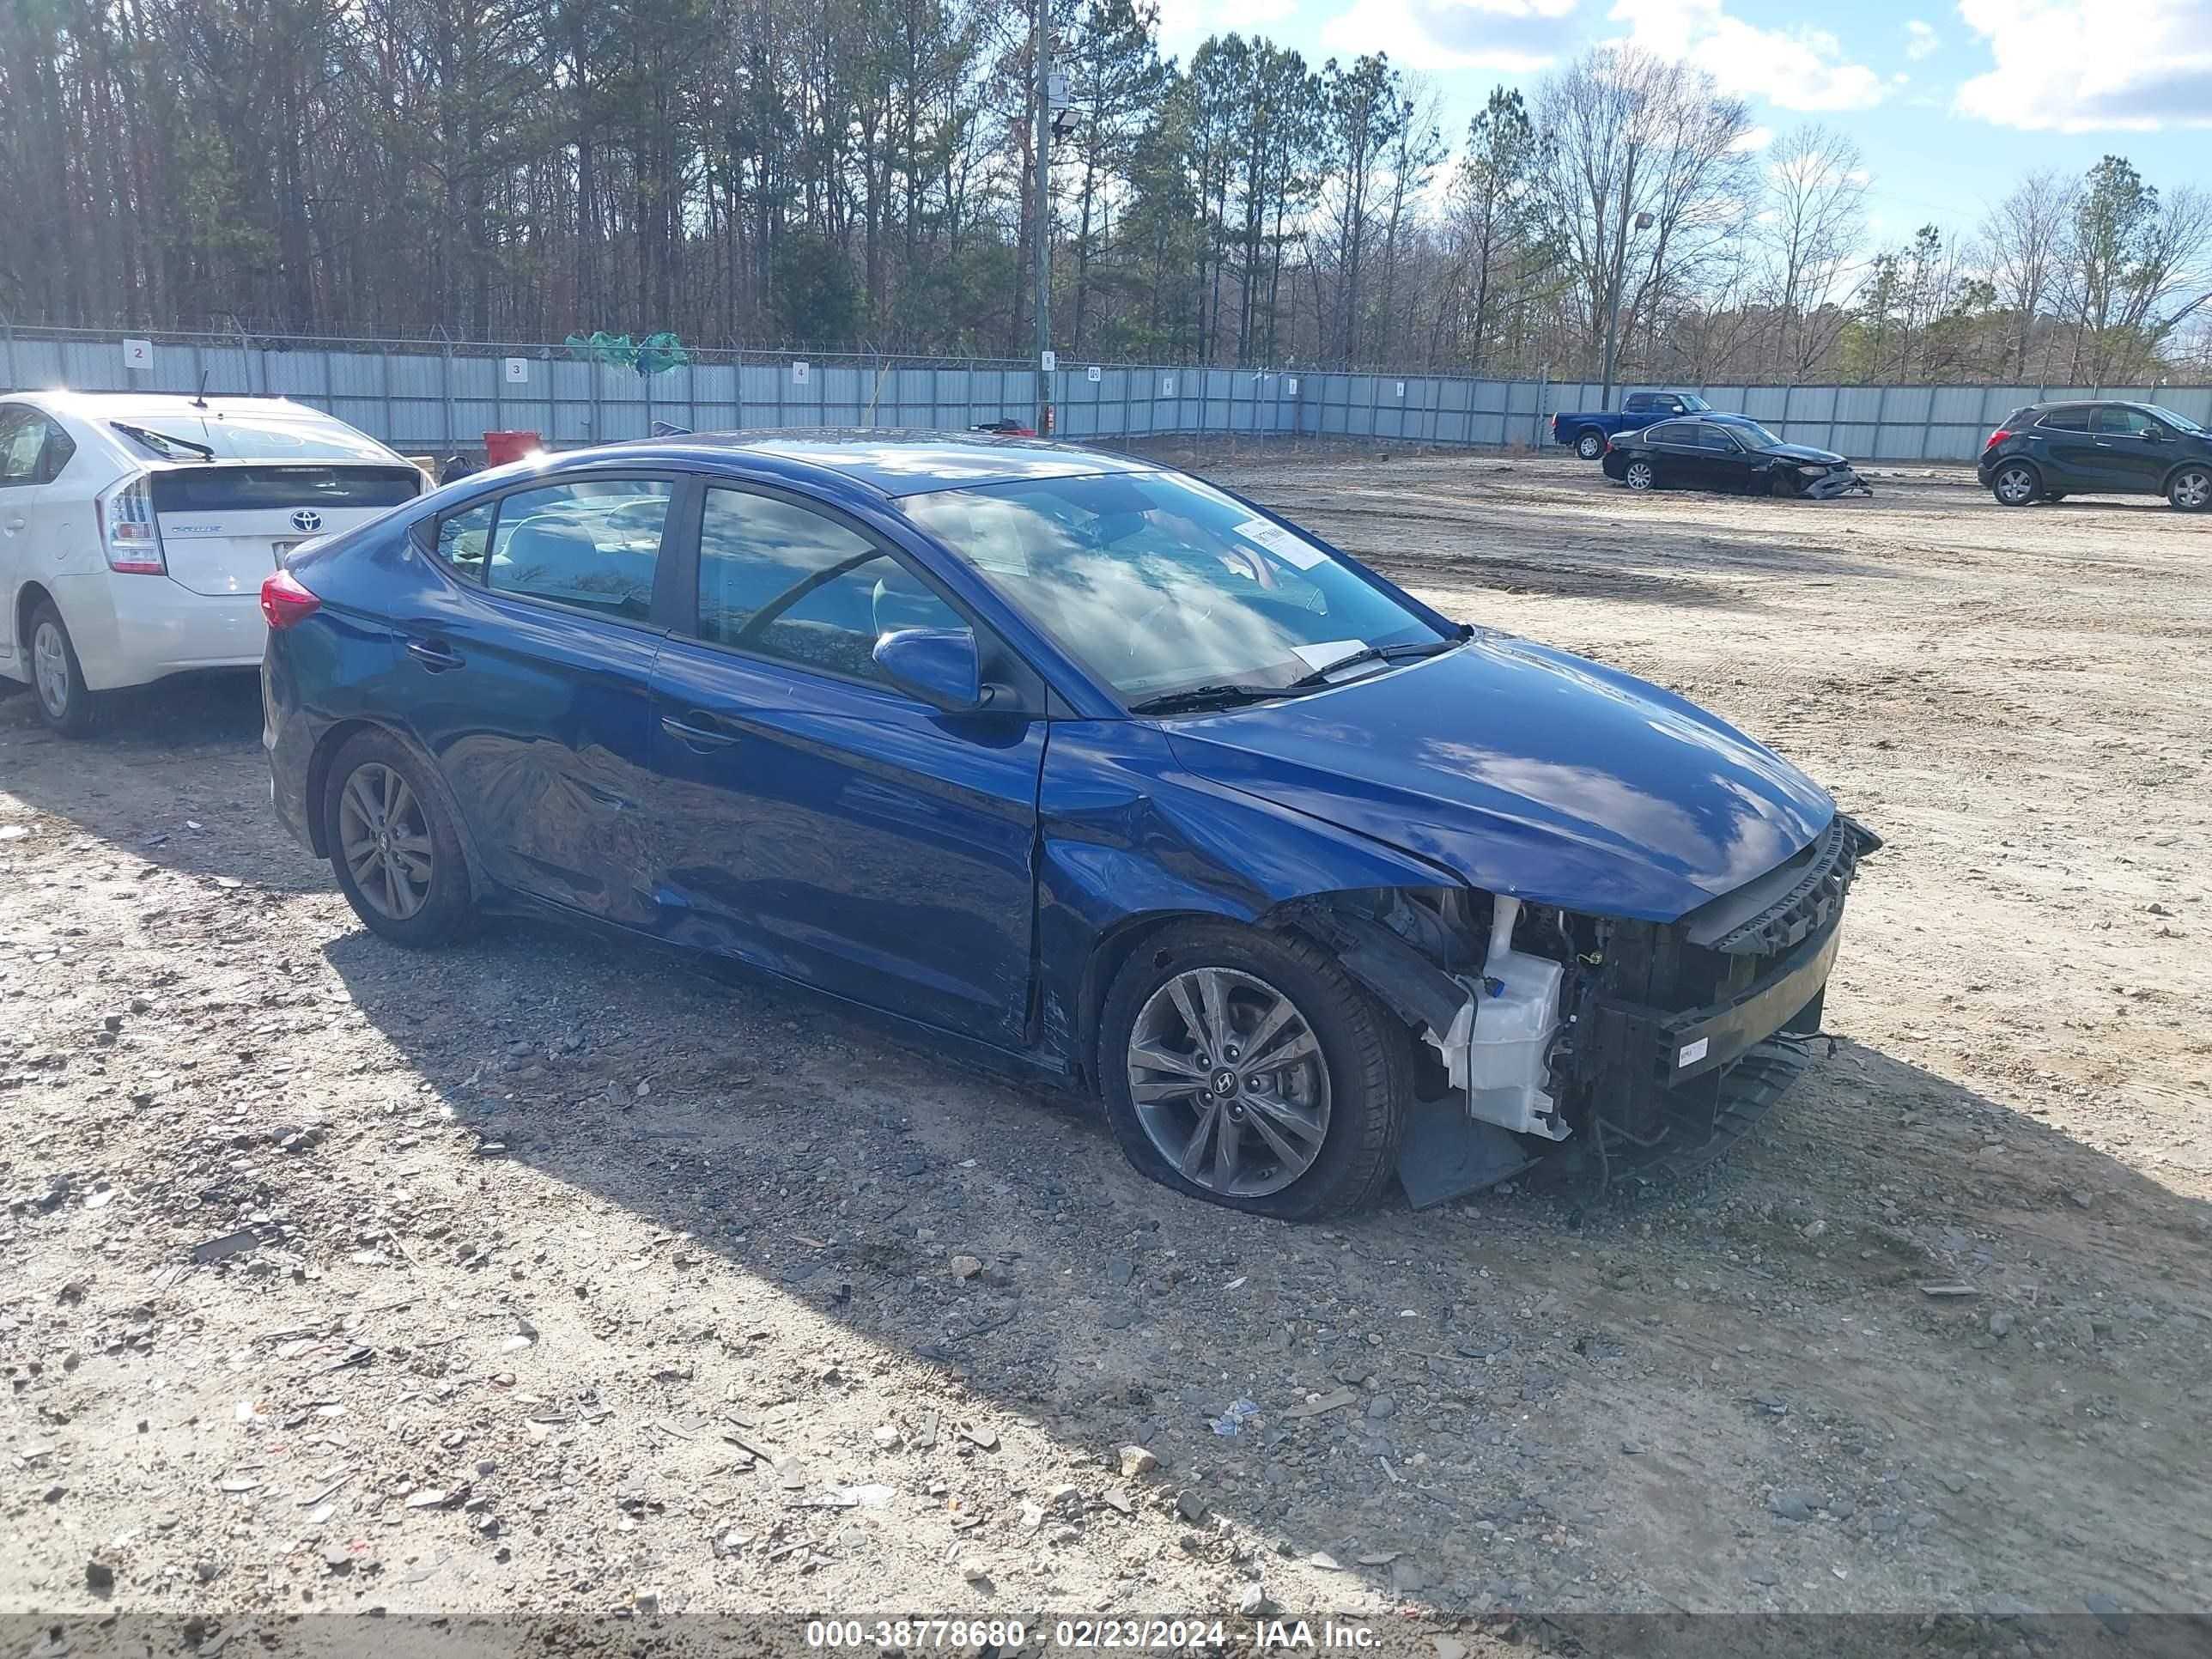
point(892, 464)
point(153, 405)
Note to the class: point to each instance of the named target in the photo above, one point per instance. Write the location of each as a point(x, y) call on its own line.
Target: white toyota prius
point(135, 531)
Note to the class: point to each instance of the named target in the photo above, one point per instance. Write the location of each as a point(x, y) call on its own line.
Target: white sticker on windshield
point(1327, 653)
point(1283, 543)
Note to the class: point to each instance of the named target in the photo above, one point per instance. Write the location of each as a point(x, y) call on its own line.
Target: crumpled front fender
point(1128, 837)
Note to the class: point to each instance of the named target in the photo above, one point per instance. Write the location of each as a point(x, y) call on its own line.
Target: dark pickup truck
point(1588, 431)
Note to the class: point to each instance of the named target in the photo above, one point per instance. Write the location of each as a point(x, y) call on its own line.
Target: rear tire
point(2015, 483)
point(2189, 490)
point(68, 706)
point(1347, 1084)
point(393, 847)
point(1640, 475)
point(1591, 445)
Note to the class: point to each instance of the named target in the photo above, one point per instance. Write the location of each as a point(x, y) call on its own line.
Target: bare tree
point(1646, 179)
point(2023, 245)
point(1813, 225)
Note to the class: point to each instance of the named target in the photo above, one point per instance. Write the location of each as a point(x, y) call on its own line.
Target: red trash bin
point(500, 447)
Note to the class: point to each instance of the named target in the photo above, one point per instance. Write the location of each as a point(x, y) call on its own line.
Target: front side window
point(1717, 437)
point(593, 545)
point(1162, 584)
point(2123, 421)
point(784, 581)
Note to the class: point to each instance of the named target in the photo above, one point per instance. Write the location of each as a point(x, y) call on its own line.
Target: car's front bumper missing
point(1838, 481)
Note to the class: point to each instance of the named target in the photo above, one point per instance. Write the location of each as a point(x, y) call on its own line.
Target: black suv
point(2047, 452)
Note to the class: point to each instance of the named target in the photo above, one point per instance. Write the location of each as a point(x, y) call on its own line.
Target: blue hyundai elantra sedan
point(1074, 759)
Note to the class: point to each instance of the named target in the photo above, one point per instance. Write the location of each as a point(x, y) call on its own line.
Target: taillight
point(1997, 438)
point(128, 534)
point(285, 600)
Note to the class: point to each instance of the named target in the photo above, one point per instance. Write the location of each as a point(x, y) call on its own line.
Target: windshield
point(2167, 417)
point(1692, 404)
point(1160, 584)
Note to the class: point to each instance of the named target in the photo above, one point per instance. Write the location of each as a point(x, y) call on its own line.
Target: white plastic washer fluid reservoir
point(1516, 1016)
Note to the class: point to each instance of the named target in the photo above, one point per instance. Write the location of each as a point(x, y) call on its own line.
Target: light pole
point(1613, 310)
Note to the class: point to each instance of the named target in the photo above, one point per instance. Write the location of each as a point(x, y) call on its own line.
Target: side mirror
point(937, 665)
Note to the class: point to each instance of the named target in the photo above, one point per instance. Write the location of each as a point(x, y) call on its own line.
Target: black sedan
point(1729, 453)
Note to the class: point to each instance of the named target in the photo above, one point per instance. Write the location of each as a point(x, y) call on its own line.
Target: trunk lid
point(225, 525)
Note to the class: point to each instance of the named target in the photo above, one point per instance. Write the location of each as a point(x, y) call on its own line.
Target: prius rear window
point(257, 489)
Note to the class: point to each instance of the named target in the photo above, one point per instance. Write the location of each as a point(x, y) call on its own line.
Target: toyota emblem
point(307, 518)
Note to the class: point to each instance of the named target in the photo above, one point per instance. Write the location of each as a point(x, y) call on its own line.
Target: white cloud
point(2092, 65)
point(1514, 36)
point(1799, 68)
point(1920, 39)
point(1185, 23)
point(1754, 138)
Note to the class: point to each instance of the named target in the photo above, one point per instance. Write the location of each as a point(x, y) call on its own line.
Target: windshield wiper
point(160, 442)
point(1370, 653)
point(1205, 696)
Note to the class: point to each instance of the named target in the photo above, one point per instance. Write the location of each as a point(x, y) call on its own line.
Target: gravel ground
point(554, 1276)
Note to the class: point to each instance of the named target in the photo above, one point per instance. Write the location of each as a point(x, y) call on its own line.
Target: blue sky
point(1950, 100)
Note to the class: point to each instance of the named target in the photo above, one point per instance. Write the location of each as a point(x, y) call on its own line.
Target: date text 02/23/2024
point(1150, 1635)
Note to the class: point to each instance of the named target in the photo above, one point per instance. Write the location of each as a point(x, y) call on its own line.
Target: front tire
point(1590, 446)
point(393, 847)
point(1248, 1069)
point(2190, 489)
point(2015, 484)
point(1640, 475)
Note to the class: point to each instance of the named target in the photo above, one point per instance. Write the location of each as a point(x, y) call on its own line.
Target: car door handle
point(698, 736)
point(16, 523)
point(433, 655)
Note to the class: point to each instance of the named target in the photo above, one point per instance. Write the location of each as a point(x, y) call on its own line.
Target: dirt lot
point(579, 1282)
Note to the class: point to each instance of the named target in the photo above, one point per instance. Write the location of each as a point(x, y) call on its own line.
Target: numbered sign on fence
point(1091, 374)
point(1167, 386)
point(137, 354)
point(518, 371)
point(800, 371)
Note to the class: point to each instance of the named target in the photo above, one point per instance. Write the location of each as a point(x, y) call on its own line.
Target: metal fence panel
point(441, 396)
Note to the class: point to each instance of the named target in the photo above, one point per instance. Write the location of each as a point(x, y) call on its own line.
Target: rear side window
point(593, 545)
point(2066, 420)
point(464, 537)
point(220, 488)
point(32, 447)
point(1638, 400)
point(1677, 434)
point(787, 582)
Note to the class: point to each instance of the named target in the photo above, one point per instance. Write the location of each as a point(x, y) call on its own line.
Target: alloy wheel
point(2193, 489)
point(2015, 484)
point(1229, 1082)
point(386, 841)
point(50, 668)
point(1638, 475)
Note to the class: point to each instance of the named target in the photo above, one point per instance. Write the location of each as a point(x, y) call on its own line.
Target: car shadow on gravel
point(1488, 1404)
point(160, 778)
